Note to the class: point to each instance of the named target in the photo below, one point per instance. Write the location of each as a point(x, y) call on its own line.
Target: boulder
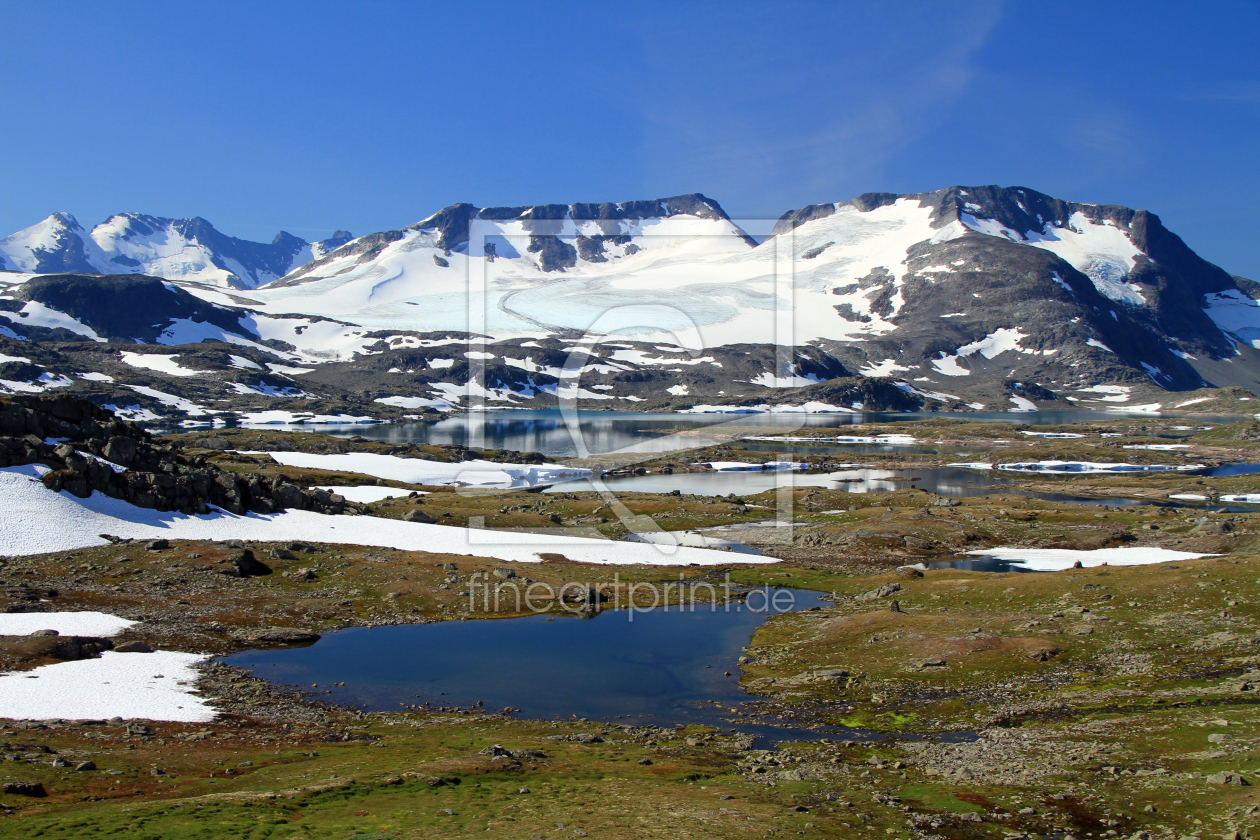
point(418, 516)
point(42, 645)
point(279, 636)
point(1227, 779)
point(25, 789)
point(1223, 526)
point(882, 592)
point(244, 564)
point(133, 647)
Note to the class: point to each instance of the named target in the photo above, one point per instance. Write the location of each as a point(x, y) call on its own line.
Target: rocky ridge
point(87, 448)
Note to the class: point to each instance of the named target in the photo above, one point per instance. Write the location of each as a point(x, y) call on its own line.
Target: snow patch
point(84, 623)
point(157, 362)
point(993, 344)
point(35, 314)
point(38, 521)
point(146, 686)
point(884, 368)
point(366, 494)
point(418, 471)
point(1056, 559)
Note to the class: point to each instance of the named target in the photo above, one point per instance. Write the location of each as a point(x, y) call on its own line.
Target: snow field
point(417, 471)
point(84, 623)
point(367, 493)
point(38, 521)
point(147, 686)
point(1057, 559)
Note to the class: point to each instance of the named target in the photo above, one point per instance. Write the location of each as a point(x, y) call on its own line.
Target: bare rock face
point(48, 644)
point(279, 636)
point(156, 475)
point(34, 789)
point(244, 564)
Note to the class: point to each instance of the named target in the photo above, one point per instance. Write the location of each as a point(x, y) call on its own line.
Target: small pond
point(659, 666)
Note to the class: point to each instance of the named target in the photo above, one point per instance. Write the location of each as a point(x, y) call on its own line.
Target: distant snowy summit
point(175, 249)
point(976, 298)
point(550, 237)
point(934, 286)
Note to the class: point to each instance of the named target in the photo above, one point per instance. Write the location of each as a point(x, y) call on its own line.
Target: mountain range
point(178, 249)
point(965, 298)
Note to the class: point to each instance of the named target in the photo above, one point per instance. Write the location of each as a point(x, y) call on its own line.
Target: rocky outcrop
point(48, 644)
point(87, 448)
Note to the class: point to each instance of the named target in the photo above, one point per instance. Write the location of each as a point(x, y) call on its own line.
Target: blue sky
point(370, 115)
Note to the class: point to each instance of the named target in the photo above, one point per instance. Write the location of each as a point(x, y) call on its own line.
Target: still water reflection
point(665, 666)
point(613, 431)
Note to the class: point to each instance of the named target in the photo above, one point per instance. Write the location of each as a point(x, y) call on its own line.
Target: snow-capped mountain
point(944, 289)
point(177, 249)
point(967, 297)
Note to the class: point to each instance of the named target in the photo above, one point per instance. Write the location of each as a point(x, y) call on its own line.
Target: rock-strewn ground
point(1098, 702)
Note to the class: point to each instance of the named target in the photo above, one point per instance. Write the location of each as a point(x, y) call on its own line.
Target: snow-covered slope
point(177, 249)
point(58, 243)
point(687, 274)
point(987, 297)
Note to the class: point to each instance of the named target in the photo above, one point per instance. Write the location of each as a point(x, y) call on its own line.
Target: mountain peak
point(176, 249)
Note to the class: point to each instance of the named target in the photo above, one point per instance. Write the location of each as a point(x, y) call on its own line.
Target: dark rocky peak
point(1022, 210)
point(1019, 209)
point(332, 243)
point(452, 223)
point(288, 240)
point(128, 307)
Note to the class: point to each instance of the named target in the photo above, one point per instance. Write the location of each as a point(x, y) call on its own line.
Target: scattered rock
point(133, 647)
point(25, 789)
point(1227, 779)
point(882, 592)
point(279, 636)
point(245, 564)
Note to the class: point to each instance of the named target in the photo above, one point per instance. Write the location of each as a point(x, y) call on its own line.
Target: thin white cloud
point(871, 102)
